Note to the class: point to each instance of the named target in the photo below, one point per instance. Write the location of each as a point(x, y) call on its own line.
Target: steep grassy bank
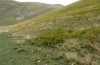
point(68, 36)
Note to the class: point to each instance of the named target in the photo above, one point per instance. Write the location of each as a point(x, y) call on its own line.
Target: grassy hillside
point(20, 11)
point(85, 15)
point(68, 36)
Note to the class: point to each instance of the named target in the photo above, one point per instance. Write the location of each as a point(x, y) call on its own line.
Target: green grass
point(11, 10)
point(12, 53)
point(67, 47)
point(68, 36)
point(49, 39)
point(8, 21)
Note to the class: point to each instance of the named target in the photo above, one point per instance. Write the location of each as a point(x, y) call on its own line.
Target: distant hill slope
point(78, 15)
point(18, 11)
point(72, 33)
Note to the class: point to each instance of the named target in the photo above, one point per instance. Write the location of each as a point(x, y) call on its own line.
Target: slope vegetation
point(70, 36)
point(19, 11)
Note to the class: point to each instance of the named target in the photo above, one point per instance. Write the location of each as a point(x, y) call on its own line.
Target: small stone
point(72, 64)
point(11, 60)
point(39, 61)
point(32, 50)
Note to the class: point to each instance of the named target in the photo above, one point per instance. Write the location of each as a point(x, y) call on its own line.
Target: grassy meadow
point(66, 36)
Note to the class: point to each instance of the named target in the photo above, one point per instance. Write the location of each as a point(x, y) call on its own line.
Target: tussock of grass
point(49, 39)
point(75, 59)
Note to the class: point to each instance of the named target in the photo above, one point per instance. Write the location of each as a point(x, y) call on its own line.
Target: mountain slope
point(77, 14)
point(70, 35)
point(18, 11)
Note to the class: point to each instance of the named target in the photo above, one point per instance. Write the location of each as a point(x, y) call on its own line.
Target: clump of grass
point(72, 34)
point(74, 58)
point(49, 39)
point(52, 38)
point(91, 34)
